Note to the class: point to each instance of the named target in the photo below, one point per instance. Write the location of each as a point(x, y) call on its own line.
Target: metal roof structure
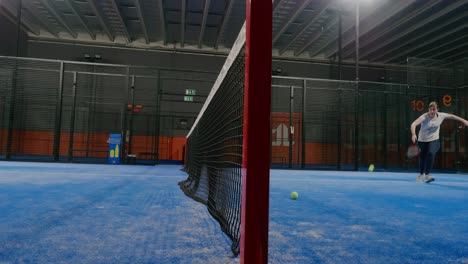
point(389, 30)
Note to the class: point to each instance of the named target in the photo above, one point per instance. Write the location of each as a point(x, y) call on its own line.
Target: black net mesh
point(214, 153)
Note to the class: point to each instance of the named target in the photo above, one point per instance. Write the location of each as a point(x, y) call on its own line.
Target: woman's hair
point(433, 104)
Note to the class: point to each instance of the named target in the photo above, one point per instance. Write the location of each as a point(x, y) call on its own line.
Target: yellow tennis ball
point(371, 167)
point(294, 195)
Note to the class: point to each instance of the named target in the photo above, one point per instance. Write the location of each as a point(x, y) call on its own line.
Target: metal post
point(357, 40)
point(58, 113)
point(291, 125)
point(130, 126)
point(11, 114)
point(18, 26)
point(340, 60)
point(339, 127)
point(458, 158)
point(407, 120)
point(72, 119)
point(356, 127)
point(256, 133)
point(304, 103)
point(124, 119)
point(385, 134)
point(340, 33)
point(92, 113)
point(157, 113)
point(356, 114)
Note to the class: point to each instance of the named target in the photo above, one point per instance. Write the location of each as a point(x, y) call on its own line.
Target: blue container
point(114, 148)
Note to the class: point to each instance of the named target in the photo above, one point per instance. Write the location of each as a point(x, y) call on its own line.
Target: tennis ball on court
point(371, 167)
point(294, 195)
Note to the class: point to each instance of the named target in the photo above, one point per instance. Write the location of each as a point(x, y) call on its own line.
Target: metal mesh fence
point(94, 106)
point(58, 110)
point(327, 124)
point(53, 110)
point(29, 99)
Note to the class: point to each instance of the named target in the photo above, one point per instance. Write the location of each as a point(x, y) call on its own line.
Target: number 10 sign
point(418, 105)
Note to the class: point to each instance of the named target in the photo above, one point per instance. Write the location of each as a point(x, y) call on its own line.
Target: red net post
point(257, 133)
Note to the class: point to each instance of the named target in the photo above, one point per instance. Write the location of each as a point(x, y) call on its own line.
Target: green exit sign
point(190, 91)
point(188, 98)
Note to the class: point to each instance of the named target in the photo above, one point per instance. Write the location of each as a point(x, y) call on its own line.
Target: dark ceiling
point(390, 30)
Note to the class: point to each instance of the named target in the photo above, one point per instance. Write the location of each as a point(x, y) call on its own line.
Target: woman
point(428, 138)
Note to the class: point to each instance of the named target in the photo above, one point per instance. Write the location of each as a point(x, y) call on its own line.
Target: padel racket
point(413, 151)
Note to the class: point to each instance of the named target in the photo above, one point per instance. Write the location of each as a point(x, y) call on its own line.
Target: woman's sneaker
point(420, 178)
point(429, 179)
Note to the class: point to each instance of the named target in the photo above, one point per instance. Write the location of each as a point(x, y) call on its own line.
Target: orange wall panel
point(171, 148)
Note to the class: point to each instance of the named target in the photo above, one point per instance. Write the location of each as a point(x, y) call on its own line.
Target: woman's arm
point(416, 123)
point(457, 118)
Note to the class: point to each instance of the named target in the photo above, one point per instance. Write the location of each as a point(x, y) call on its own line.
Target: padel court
point(82, 213)
point(233, 131)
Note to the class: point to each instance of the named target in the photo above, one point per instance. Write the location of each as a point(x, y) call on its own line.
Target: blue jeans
point(427, 154)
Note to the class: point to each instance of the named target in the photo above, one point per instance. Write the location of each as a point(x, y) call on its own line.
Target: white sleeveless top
point(430, 127)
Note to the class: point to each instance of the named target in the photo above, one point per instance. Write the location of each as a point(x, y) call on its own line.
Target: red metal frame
point(257, 133)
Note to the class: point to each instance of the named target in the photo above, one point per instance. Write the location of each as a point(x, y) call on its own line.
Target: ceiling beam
point(182, 22)
point(203, 23)
point(57, 16)
point(420, 37)
point(443, 47)
point(278, 6)
point(100, 16)
point(225, 18)
point(461, 55)
point(196, 12)
point(299, 8)
point(25, 26)
point(93, 35)
point(122, 22)
point(9, 14)
point(394, 11)
point(44, 24)
point(26, 21)
point(319, 12)
point(315, 36)
point(407, 30)
point(163, 21)
point(451, 49)
point(431, 40)
point(450, 61)
point(142, 21)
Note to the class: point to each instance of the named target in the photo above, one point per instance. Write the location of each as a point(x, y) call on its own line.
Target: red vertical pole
point(257, 133)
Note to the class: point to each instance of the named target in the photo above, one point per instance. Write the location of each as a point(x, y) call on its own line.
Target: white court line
point(39, 174)
point(462, 183)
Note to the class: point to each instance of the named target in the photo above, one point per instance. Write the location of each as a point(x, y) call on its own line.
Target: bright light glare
point(348, 2)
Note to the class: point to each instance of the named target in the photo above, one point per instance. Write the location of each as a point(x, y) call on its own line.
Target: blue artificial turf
point(67, 213)
point(81, 213)
point(362, 217)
